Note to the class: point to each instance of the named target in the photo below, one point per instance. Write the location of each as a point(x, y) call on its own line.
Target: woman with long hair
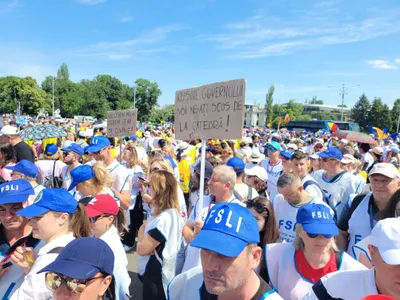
point(56, 219)
point(108, 223)
point(264, 214)
point(159, 238)
point(7, 159)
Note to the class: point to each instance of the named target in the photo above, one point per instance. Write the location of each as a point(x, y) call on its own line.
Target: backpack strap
point(355, 203)
point(237, 195)
point(337, 176)
point(249, 193)
point(56, 250)
point(311, 182)
point(54, 168)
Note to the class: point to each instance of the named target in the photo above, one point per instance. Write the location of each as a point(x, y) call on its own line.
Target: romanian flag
point(269, 123)
point(378, 132)
point(285, 117)
point(332, 126)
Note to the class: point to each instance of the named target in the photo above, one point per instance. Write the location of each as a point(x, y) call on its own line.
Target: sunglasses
point(154, 170)
point(285, 158)
point(54, 281)
point(259, 207)
point(314, 235)
point(95, 219)
point(66, 153)
point(272, 149)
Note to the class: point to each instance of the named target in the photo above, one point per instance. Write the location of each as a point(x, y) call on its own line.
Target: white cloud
point(381, 64)
point(91, 2)
point(126, 19)
point(397, 60)
point(9, 5)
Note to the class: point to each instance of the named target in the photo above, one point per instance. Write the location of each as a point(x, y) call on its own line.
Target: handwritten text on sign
point(121, 123)
point(210, 111)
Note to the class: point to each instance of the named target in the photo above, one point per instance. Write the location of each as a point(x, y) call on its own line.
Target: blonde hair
point(164, 190)
point(170, 149)
point(165, 164)
point(135, 159)
point(78, 222)
point(298, 242)
point(101, 179)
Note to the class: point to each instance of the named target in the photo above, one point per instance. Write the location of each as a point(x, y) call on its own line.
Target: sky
point(305, 47)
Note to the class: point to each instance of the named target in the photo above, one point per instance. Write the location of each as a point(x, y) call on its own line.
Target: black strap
point(54, 168)
point(321, 292)
point(237, 195)
point(250, 193)
point(336, 176)
point(338, 258)
point(355, 203)
point(56, 250)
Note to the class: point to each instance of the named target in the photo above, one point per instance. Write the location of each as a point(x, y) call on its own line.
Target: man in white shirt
point(383, 279)
point(100, 147)
point(242, 191)
point(273, 166)
point(71, 157)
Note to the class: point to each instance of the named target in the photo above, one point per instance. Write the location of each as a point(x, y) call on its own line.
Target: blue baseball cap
point(83, 258)
point(276, 145)
point(317, 219)
point(80, 174)
point(25, 167)
point(97, 143)
point(133, 138)
point(227, 230)
point(74, 147)
point(15, 191)
point(237, 164)
point(51, 149)
point(287, 154)
point(331, 152)
point(58, 200)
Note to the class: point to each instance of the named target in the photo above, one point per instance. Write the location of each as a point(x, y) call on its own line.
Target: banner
point(210, 111)
point(121, 123)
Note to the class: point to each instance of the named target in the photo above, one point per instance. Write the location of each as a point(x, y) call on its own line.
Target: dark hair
point(196, 183)
point(79, 222)
point(364, 146)
point(9, 153)
point(110, 292)
point(216, 149)
point(388, 211)
point(299, 155)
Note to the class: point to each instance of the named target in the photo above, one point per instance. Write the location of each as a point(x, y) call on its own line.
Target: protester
point(22, 150)
point(291, 197)
point(14, 232)
point(71, 158)
point(56, 218)
point(368, 160)
point(7, 159)
point(294, 268)
point(107, 221)
point(100, 147)
point(286, 157)
point(300, 168)
point(337, 183)
point(255, 159)
point(273, 166)
point(82, 271)
point(69, 140)
point(159, 239)
point(242, 191)
point(140, 151)
point(257, 178)
point(195, 186)
point(227, 271)
point(383, 279)
point(358, 219)
point(50, 166)
point(315, 164)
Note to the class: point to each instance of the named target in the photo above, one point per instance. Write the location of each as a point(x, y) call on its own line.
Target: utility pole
point(54, 79)
point(343, 92)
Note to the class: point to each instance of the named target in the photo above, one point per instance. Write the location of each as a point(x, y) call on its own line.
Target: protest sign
point(210, 111)
point(121, 123)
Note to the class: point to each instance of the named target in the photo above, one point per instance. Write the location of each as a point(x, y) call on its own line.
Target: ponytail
point(79, 222)
point(120, 222)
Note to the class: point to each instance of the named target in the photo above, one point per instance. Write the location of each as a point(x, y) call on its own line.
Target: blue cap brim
point(94, 148)
point(32, 211)
point(318, 228)
point(73, 185)
point(73, 269)
point(323, 155)
point(20, 198)
point(219, 242)
point(12, 168)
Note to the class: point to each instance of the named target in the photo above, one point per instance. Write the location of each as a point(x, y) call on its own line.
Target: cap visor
point(73, 185)
point(73, 269)
point(15, 199)
point(91, 212)
point(12, 168)
point(217, 242)
point(32, 211)
point(93, 149)
point(66, 149)
point(317, 228)
point(391, 256)
point(323, 155)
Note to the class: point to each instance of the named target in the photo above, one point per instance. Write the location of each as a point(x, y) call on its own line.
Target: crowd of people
point(284, 215)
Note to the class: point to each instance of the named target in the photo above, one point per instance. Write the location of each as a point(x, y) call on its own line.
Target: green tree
point(63, 72)
point(361, 111)
point(314, 100)
point(395, 113)
point(147, 94)
point(379, 114)
point(269, 98)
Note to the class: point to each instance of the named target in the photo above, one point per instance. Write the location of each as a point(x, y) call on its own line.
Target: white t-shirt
point(66, 182)
point(243, 190)
point(285, 215)
point(367, 158)
point(274, 172)
point(120, 176)
point(46, 169)
point(312, 189)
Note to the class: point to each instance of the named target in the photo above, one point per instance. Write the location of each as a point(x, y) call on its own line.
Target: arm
point(188, 232)
point(148, 243)
point(124, 198)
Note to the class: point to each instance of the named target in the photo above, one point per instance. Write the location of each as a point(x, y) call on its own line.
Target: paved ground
point(136, 285)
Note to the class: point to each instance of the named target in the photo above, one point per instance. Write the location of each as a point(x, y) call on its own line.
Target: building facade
point(255, 115)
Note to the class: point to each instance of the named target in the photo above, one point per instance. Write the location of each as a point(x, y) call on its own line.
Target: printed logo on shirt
point(9, 187)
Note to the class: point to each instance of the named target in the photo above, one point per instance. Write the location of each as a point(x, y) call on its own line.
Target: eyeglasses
point(259, 207)
point(66, 153)
point(95, 219)
point(76, 286)
point(272, 149)
point(285, 158)
point(314, 235)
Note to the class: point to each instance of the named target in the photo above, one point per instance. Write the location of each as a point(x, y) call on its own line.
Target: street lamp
point(53, 79)
point(343, 92)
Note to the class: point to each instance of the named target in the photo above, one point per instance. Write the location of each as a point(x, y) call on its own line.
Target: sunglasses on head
point(314, 235)
point(154, 170)
point(76, 286)
point(259, 207)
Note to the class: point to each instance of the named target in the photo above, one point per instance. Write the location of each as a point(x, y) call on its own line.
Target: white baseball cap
point(9, 130)
point(347, 159)
point(344, 141)
point(256, 156)
point(377, 150)
point(257, 171)
point(314, 156)
point(292, 146)
point(385, 169)
point(386, 237)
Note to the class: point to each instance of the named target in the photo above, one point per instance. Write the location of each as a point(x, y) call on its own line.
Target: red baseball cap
point(102, 204)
